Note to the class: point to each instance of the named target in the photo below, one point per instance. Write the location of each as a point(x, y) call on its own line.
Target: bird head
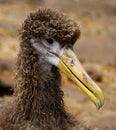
point(53, 35)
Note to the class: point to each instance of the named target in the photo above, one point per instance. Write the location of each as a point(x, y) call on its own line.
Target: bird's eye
point(50, 41)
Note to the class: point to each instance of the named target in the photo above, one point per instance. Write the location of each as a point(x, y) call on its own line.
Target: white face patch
point(54, 48)
point(48, 53)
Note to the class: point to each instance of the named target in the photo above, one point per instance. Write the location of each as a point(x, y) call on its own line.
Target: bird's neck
point(39, 96)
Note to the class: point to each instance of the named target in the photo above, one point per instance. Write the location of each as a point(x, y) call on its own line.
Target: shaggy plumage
point(38, 99)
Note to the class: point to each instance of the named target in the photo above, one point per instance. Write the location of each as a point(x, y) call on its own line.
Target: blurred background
point(96, 50)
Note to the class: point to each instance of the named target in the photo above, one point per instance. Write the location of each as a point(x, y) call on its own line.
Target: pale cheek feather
point(55, 48)
point(46, 55)
point(53, 60)
point(38, 47)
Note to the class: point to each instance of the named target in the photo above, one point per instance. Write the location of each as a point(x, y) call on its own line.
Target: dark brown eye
point(50, 41)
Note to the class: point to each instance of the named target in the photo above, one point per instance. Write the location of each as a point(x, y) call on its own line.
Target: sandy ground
point(96, 50)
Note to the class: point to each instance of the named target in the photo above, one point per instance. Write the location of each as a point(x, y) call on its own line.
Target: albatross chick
point(46, 48)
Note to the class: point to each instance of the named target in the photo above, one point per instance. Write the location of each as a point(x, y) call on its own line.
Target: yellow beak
point(70, 65)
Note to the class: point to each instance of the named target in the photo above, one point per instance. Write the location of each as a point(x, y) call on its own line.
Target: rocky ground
point(96, 50)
